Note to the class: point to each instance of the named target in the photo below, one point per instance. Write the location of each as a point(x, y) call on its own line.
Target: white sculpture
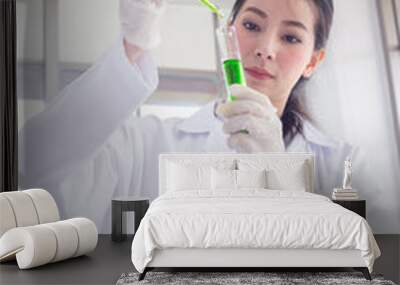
point(347, 174)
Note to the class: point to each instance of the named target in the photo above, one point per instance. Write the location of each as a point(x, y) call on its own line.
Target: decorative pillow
point(251, 178)
point(188, 177)
point(282, 174)
point(223, 179)
point(293, 179)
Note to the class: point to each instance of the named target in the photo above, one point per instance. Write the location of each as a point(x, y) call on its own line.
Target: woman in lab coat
point(88, 146)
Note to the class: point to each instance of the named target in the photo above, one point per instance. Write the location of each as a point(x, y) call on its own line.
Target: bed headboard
point(232, 160)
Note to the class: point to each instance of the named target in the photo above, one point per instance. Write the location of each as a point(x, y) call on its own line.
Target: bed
point(247, 211)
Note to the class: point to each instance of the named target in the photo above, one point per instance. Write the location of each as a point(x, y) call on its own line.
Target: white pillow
point(282, 174)
point(293, 178)
point(223, 179)
point(227, 179)
point(188, 177)
point(251, 178)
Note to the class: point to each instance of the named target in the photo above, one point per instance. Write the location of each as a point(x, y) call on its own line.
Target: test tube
point(230, 56)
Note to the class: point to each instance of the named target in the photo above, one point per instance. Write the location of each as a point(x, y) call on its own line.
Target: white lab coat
point(88, 146)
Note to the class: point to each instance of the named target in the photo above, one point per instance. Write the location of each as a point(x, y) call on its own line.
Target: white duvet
point(250, 218)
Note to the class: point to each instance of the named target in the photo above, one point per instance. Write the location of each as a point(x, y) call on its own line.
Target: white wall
point(30, 30)
point(88, 28)
point(188, 38)
point(350, 97)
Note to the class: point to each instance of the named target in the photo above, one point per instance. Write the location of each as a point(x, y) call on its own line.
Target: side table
point(357, 206)
point(119, 207)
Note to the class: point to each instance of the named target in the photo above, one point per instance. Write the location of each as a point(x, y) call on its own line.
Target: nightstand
point(119, 207)
point(357, 206)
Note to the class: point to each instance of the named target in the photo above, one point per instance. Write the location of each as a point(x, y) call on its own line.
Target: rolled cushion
point(46, 207)
point(7, 218)
point(26, 208)
point(23, 208)
point(37, 245)
point(87, 234)
point(67, 239)
point(33, 246)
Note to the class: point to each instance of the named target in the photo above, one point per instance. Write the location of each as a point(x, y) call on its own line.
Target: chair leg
point(364, 271)
point(142, 275)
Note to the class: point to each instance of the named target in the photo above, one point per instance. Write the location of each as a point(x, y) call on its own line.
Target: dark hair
point(295, 113)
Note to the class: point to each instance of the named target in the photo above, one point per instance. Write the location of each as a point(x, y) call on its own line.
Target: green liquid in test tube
point(231, 60)
point(234, 73)
point(230, 55)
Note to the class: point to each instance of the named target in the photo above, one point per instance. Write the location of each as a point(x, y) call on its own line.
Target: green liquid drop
point(234, 74)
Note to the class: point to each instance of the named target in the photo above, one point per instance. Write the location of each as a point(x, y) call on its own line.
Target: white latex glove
point(140, 21)
point(253, 112)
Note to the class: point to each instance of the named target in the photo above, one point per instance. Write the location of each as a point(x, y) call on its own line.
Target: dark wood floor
point(110, 260)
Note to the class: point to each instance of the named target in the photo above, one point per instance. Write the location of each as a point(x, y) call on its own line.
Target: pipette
point(213, 8)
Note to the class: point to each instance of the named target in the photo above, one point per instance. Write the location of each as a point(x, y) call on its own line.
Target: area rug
point(243, 278)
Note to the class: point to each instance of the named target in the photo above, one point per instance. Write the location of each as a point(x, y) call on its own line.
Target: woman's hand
point(140, 20)
point(254, 113)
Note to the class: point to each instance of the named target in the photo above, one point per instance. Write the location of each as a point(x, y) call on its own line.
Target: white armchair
point(31, 230)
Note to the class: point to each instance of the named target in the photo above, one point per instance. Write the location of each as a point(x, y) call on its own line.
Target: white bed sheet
point(250, 218)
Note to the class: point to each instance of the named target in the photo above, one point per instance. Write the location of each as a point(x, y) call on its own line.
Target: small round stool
point(119, 207)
